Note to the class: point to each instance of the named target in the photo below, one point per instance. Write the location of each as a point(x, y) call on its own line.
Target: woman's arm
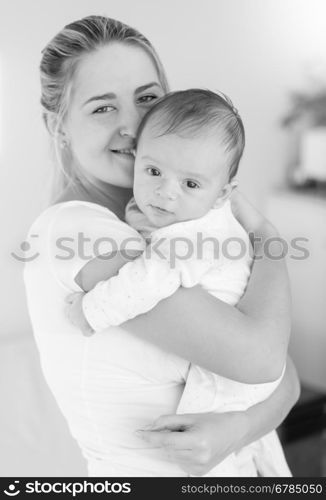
point(208, 438)
point(248, 343)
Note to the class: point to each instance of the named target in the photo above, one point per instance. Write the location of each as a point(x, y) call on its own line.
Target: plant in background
point(306, 121)
point(309, 105)
point(310, 108)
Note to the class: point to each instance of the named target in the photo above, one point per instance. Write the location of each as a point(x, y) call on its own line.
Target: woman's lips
point(124, 151)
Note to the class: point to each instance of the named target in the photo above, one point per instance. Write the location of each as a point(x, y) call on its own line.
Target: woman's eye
point(153, 171)
point(192, 185)
point(104, 109)
point(145, 99)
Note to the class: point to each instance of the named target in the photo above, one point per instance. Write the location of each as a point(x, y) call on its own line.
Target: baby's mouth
point(161, 210)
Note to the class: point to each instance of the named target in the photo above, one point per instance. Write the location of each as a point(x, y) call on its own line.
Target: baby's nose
point(168, 190)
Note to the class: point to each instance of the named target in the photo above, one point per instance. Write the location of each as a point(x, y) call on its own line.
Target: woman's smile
point(126, 153)
point(125, 156)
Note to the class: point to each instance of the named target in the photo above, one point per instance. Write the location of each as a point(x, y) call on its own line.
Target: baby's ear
point(225, 193)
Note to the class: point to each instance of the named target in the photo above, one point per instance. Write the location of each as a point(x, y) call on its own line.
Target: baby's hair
point(197, 112)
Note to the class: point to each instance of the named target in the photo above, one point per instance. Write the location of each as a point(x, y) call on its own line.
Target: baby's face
point(178, 179)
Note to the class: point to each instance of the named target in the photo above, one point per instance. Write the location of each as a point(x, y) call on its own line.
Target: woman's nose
point(129, 122)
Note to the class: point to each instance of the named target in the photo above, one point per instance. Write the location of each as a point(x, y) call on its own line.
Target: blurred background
point(269, 56)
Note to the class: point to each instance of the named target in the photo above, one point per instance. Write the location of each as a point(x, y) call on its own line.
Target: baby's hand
point(75, 314)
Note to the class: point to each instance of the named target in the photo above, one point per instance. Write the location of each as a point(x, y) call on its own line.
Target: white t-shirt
point(113, 383)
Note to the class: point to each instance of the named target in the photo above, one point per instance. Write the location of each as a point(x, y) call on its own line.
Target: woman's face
point(113, 88)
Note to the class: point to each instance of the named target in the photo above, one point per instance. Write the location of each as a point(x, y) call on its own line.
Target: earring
point(63, 144)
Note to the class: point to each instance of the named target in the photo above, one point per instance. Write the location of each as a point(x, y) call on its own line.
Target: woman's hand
point(197, 442)
point(248, 216)
point(74, 312)
point(200, 441)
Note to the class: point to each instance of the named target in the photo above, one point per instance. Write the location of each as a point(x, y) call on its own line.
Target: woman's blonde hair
point(59, 62)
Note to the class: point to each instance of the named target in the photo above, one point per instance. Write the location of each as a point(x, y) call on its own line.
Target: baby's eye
point(192, 184)
point(153, 171)
point(146, 99)
point(104, 109)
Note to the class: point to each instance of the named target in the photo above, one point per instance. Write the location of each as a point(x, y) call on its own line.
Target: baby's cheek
point(209, 198)
point(201, 204)
point(140, 194)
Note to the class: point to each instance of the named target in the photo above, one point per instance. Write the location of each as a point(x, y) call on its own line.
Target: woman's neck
point(112, 197)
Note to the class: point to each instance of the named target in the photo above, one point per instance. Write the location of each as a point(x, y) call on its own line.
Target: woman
point(99, 77)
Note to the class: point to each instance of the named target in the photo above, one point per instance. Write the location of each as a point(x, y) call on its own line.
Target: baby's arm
point(89, 276)
point(137, 288)
point(99, 268)
point(139, 285)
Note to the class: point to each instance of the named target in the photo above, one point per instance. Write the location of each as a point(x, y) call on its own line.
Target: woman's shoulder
point(76, 219)
point(72, 214)
point(71, 233)
point(74, 208)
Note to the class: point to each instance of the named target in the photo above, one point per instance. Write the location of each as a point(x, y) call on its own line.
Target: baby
point(188, 150)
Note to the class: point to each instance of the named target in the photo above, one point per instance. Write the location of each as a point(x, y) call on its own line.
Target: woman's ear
point(234, 183)
point(51, 122)
point(225, 193)
point(54, 125)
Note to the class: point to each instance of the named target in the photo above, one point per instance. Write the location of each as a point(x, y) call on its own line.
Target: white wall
point(254, 50)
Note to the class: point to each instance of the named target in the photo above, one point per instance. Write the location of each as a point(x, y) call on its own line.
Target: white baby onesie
point(213, 251)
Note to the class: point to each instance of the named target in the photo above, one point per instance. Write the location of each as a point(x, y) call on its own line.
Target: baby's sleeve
point(80, 232)
point(137, 288)
point(169, 261)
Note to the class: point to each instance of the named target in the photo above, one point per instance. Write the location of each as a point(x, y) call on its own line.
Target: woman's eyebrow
point(111, 95)
point(103, 97)
point(147, 86)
